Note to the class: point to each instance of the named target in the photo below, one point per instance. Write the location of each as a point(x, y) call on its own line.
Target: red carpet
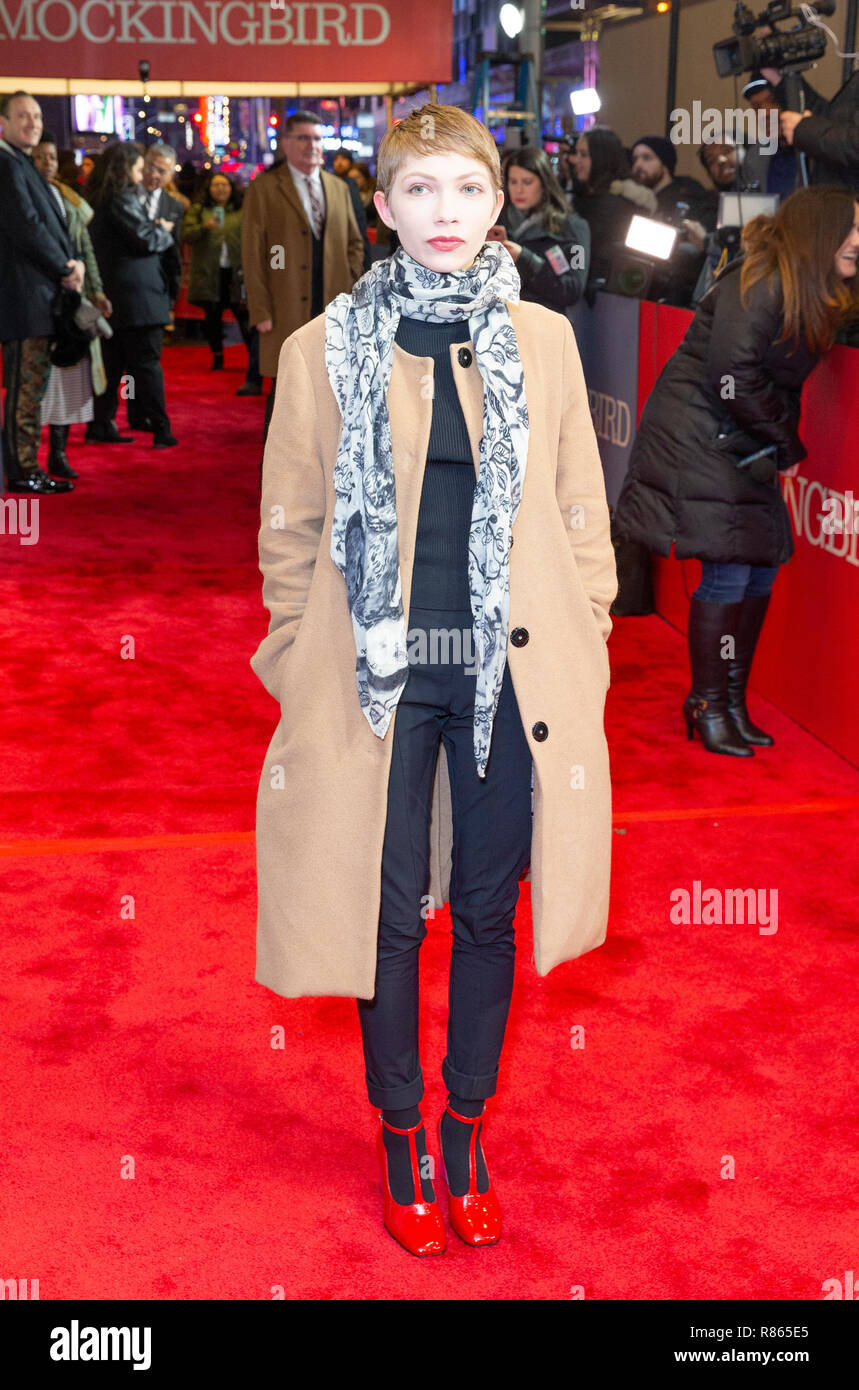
point(156, 1145)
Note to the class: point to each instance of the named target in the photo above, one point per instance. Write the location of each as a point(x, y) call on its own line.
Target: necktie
point(315, 205)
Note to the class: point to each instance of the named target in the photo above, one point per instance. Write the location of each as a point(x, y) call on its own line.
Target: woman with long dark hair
point(719, 427)
point(549, 243)
point(213, 228)
point(128, 247)
point(605, 196)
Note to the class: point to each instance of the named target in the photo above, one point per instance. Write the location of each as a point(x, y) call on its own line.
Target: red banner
point(228, 40)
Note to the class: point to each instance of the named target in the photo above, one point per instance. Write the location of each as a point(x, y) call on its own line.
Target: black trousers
point(491, 849)
point(253, 372)
point(134, 354)
point(214, 312)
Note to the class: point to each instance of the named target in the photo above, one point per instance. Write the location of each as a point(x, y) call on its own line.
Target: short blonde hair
point(435, 129)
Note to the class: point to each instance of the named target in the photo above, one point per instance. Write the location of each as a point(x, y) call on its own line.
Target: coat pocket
point(735, 442)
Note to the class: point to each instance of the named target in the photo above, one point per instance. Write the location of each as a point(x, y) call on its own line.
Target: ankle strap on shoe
point(466, 1119)
point(412, 1130)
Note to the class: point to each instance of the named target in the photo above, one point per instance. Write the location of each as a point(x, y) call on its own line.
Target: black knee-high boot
point(753, 610)
point(58, 464)
point(706, 707)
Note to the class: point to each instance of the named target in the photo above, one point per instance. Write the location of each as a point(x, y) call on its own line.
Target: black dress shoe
point(96, 434)
point(38, 482)
point(249, 389)
point(164, 441)
point(217, 362)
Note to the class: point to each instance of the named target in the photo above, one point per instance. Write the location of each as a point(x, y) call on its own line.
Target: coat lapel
point(40, 187)
point(287, 186)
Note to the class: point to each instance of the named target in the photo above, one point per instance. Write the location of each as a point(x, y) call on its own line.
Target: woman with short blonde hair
point(422, 425)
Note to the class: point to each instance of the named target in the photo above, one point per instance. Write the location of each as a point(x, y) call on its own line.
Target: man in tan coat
point(301, 245)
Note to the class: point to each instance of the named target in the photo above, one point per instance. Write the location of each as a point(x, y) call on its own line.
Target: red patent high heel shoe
point(476, 1217)
point(419, 1227)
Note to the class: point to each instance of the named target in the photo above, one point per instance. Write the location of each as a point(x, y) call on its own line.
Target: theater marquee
point(240, 42)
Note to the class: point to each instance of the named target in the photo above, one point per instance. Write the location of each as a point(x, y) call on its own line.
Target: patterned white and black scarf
point(359, 338)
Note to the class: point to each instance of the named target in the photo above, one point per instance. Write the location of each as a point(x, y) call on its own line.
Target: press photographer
point(679, 199)
point(827, 132)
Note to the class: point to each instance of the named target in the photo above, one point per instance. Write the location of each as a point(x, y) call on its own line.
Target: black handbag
point(71, 343)
point(634, 576)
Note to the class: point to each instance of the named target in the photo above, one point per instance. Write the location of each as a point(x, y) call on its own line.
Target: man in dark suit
point(36, 258)
point(159, 164)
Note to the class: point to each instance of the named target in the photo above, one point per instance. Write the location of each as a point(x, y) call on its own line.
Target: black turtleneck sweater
point(440, 574)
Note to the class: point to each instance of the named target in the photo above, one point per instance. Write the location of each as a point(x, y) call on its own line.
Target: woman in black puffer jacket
point(549, 243)
point(732, 389)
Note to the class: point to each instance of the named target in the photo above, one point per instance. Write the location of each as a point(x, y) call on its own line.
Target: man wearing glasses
point(301, 245)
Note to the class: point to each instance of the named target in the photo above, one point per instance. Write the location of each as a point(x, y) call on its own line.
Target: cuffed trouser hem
point(396, 1097)
point(469, 1087)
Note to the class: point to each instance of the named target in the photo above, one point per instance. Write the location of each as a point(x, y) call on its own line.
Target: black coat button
point(540, 731)
point(463, 357)
point(519, 636)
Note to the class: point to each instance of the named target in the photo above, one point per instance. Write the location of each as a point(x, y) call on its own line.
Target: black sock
point(455, 1140)
point(398, 1147)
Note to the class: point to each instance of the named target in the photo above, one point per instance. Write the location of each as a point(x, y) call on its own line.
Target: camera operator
point(826, 131)
point(763, 169)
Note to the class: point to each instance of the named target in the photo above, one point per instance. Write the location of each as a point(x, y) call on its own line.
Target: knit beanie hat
point(662, 148)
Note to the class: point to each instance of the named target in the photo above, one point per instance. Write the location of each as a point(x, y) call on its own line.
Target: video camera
point(796, 48)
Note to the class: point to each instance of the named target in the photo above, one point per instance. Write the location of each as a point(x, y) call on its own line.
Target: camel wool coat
point(273, 223)
point(322, 801)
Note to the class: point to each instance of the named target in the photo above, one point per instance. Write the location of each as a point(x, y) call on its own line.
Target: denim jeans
point(491, 848)
point(730, 583)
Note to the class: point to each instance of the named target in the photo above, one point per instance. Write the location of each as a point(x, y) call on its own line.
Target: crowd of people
point(276, 252)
